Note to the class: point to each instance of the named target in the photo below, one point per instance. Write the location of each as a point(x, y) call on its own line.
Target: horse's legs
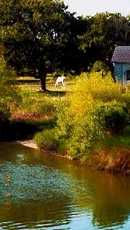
point(56, 83)
point(62, 82)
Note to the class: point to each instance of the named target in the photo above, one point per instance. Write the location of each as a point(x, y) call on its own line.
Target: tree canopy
point(38, 35)
point(43, 36)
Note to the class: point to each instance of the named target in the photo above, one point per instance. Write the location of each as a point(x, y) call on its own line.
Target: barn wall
point(125, 68)
point(120, 71)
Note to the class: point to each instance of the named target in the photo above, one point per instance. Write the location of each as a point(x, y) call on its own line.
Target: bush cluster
point(4, 122)
point(94, 109)
point(100, 66)
point(8, 90)
point(47, 139)
point(8, 95)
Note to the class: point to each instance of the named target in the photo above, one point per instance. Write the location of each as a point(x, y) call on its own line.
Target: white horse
point(60, 80)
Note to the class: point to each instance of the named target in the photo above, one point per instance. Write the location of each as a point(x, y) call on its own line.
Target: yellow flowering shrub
point(101, 88)
point(93, 108)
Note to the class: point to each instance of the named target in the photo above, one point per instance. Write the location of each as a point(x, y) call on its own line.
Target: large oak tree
point(40, 35)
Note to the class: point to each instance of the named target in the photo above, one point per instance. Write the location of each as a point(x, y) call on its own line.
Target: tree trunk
point(43, 81)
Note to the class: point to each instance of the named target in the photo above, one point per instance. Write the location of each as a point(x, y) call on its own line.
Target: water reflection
point(41, 192)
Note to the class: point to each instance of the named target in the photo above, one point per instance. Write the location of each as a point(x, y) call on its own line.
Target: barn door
point(128, 75)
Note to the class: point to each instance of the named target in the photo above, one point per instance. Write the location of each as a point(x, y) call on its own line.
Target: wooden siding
point(120, 70)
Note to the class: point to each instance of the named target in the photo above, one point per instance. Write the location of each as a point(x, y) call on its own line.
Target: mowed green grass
point(32, 84)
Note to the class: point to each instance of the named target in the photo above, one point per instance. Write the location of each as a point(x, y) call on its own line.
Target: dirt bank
point(116, 160)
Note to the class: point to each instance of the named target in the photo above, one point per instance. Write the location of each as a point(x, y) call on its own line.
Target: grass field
point(35, 104)
point(34, 110)
point(33, 84)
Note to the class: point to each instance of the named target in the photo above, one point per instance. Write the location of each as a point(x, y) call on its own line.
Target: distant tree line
point(42, 36)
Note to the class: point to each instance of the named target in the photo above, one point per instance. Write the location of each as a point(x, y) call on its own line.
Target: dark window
point(128, 75)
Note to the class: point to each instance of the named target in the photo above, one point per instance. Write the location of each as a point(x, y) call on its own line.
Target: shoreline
point(116, 161)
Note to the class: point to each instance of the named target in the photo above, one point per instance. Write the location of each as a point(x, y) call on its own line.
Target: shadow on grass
point(21, 130)
point(54, 93)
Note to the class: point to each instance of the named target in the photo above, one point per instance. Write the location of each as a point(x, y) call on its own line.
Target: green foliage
point(8, 90)
point(93, 109)
point(97, 87)
point(4, 121)
point(115, 141)
point(100, 66)
point(9, 99)
point(113, 117)
point(116, 119)
point(33, 31)
point(126, 100)
point(4, 114)
point(104, 31)
point(47, 139)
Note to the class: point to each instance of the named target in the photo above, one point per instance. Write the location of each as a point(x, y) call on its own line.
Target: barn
point(121, 64)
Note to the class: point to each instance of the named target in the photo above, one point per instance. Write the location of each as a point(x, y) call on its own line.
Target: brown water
point(40, 192)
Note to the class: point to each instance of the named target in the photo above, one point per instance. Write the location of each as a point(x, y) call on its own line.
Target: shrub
point(94, 108)
point(47, 139)
point(100, 66)
point(4, 114)
point(116, 119)
point(84, 136)
point(78, 126)
point(83, 119)
point(99, 88)
point(4, 120)
point(112, 116)
point(8, 90)
point(126, 100)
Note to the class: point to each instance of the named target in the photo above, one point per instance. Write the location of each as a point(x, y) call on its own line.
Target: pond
point(42, 192)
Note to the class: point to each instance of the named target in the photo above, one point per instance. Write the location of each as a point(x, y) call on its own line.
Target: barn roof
point(121, 54)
